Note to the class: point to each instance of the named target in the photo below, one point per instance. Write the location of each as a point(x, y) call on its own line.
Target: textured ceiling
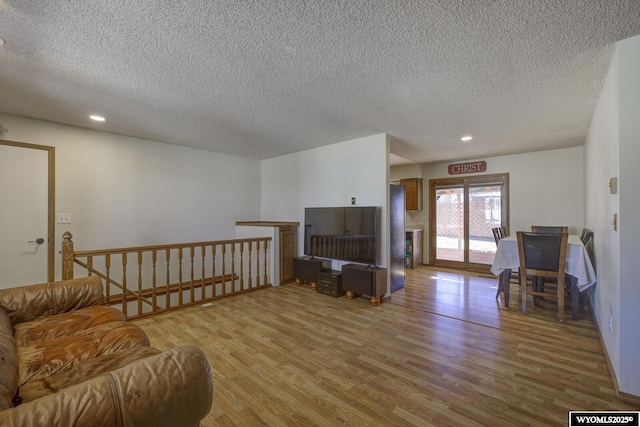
point(264, 78)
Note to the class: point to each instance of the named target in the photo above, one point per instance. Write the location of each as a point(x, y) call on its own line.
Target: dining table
point(578, 266)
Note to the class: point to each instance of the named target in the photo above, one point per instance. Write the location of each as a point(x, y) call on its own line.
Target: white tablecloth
point(578, 262)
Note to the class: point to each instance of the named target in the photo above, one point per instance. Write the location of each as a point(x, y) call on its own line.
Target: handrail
point(172, 276)
point(167, 246)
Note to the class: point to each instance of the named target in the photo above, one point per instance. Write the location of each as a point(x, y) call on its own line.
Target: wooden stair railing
point(213, 270)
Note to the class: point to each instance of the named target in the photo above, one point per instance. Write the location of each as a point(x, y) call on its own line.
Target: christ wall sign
point(471, 167)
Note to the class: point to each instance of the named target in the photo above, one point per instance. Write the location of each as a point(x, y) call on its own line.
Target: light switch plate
point(613, 185)
point(64, 218)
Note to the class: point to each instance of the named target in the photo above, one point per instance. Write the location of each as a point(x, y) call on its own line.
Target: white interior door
point(23, 216)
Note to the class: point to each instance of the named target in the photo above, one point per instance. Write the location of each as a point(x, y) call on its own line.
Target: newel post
point(67, 256)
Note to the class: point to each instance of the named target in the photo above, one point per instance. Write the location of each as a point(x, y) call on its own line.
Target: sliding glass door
point(462, 213)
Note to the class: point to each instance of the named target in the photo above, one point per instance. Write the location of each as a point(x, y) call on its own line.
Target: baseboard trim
point(629, 398)
point(621, 395)
point(607, 358)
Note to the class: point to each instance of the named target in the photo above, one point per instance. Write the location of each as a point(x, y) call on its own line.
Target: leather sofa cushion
point(25, 303)
point(71, 323)
point(90, 369)
point(8, 363)
point(172, 388)
point(45, 358)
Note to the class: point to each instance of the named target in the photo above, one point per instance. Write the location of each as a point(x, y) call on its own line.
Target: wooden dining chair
point(497, 234)
point(570, 283)
point(586, 237)
point(514, 277)
point(548, 229)
point(587, 240)
point(543, 256)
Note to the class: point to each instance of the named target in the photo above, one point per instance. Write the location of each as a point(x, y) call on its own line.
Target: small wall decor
point(470, 167)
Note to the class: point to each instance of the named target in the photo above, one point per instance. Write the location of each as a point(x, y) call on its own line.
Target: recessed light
point(97, 118)
point(466, 138)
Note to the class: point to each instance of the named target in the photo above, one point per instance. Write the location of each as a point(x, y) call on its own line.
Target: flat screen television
point(341, 233)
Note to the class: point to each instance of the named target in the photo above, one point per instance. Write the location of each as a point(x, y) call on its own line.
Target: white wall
point(328, 176)
point(405, 171)
point(545, 188)
point(629, 229)
point(612, 150)
point(123, 191)
point(601, 163)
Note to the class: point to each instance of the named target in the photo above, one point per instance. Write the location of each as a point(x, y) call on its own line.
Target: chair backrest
point(497, 234)
point(587, 241)
point(548, 229)
point(586, 236)
point(543, 254)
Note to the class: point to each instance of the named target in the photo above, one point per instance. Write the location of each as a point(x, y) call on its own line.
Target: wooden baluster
point(90, 265)
point(224, 279)
point(233, 267)
point(124, 283)
point(241, 266)
point(139, 283)
point(167, 302)
point(266, 264)
point(258, 264)
point(67, 256)
point(250, 261)
point(214, 290)
point(179, 276)
point(107, 267)
point(192, 293)
point(154, 296)
point(203, 253)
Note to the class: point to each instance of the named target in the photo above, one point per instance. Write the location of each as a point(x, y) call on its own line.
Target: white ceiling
point(264, 78)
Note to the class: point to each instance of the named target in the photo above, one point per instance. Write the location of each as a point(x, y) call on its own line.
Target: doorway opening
point(462, 213)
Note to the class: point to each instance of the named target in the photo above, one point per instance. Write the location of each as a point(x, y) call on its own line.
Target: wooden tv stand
point(361, 279)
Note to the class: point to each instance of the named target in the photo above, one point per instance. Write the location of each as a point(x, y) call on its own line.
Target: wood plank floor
point(442, 352)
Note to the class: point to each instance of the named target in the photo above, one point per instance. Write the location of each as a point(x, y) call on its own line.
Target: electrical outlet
point(353, 200)
point(64, 218)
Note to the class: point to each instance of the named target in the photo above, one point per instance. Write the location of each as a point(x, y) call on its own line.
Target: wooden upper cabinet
point(413, 193)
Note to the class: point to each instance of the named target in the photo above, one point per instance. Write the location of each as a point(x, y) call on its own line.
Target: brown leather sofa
point(68, 360)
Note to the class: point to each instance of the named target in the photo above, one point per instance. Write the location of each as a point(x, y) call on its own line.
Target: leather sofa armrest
point(168, 389)
point(24, 303)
